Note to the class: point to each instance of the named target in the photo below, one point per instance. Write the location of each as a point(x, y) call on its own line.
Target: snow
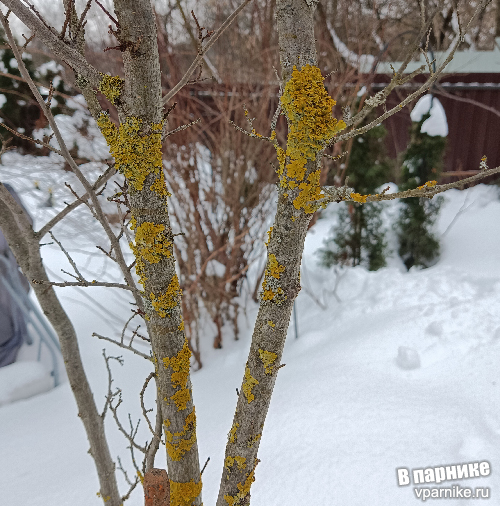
point(215, 268)
point(21, 380)
point(400, 371)
point(436, 124)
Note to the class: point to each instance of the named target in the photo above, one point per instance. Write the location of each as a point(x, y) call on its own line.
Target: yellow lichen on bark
point(180, 365)
point(272, 291)
point(248, 384)
point(253, 440)
point(274, 268)
point(229, 462)
point(151, 243)
point(160, 187)
point(311, 126)
point(429, 184)
point(359, 198)
point(177, 443)
point(232, 433)
point(310, 193)
point(243, 490)
point(111, 87)
point(268, 358)
point(181, 398)
point(183, 494)
point(165, 302)
point(269, 232)
point(136, 155)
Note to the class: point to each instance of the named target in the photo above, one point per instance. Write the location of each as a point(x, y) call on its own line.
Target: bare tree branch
point(71, 56)
point(202, 53)
point(121, 345)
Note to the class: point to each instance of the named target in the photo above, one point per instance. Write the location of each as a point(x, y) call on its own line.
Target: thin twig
point(107, 13)
point(110, 171)
point(114, 409)
point(462, 209)
point(81, 21)
point(144, 411)
point(125, 347)
point(30, 139)
point(206, 462)
point(85, 283)
point(70, 260)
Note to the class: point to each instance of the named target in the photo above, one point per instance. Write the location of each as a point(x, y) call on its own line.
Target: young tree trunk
point(137, 148)
point(298, 189)
point(25, 246)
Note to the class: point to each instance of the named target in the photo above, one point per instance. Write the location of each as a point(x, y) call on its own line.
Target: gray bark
point(286, 242)
point(141, 98)
point(24, 243)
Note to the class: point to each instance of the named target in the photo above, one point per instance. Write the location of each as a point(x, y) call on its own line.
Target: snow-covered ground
point(345, 413)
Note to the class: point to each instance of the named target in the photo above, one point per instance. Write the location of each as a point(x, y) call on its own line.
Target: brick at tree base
point(156, 488)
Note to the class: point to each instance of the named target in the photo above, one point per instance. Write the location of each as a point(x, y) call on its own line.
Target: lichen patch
point(268, 358)
point(248, 384)
point(136, 155)
point(165, 302)
point(111, 87)
point(183, 494)
point(311, 126)
point(178, 443)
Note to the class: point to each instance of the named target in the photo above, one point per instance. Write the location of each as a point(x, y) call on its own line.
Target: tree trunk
point(137, 148)
point(26, 249)
point(310, 125)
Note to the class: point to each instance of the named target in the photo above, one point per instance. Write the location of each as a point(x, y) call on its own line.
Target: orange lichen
point(429, 184)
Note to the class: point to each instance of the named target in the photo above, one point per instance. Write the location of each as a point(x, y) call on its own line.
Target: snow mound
point(436, 124)
point(22, 380)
